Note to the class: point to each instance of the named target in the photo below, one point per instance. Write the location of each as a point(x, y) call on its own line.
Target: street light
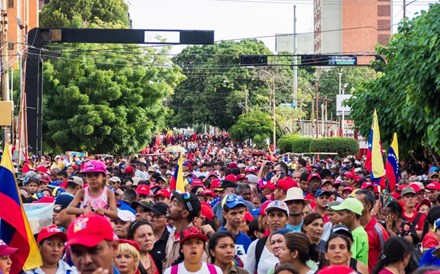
point(271, 86)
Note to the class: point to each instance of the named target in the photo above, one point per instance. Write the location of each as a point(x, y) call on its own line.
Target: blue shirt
point(242, 242)
point(428, 259)
point(125, 206)
point(295, 228)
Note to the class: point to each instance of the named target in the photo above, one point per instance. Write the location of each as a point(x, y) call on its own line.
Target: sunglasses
point(58, 209)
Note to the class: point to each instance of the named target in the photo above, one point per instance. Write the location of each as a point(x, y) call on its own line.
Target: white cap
point(126, 216)
point(277, 205)
point(77, 180)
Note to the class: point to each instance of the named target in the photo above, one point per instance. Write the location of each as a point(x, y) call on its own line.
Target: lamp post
point(271, 87)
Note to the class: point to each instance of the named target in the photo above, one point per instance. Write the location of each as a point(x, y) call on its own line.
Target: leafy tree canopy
point(255, 125)
point(406, 92)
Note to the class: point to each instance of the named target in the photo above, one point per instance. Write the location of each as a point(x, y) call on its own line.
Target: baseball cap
point(321, 192)
point(63, 200)
point(126, 216)
point(197, 182)
point(50, 231)
point(143, 190)
point(407, 190)
point(324, 181)
point(77, 180)
point(295, 194)
point(417, 186)
point(5, 250)
point(347, 188)
point(232, 201)
point(208, 192)
point(94, 166)
point(424, 202)
point(207, 211)
point(190, 201)
point(231, 177)
point(89, 230)
point(158, 208)
point(163, 192)
point(115, 179)
point(350, 204)
point(263, 207)
point(151, 169)
point(436, 225)
point(433, 186)
point(277, 205)
point(285, 183)
point(226, 183)
point(252, 178)
point(212, 173)
point(314, 175)
point(216, 183)
point(343, 230)
point(143, 204)
point(367, 184)
point(192, 232)
point(129, 170)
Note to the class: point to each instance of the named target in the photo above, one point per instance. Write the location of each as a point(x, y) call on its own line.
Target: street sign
point(328, 60)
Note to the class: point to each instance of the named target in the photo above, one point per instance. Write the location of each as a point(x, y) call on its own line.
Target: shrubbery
point(297, 144)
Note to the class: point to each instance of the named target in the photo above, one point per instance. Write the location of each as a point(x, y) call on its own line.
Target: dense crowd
point(242, 211)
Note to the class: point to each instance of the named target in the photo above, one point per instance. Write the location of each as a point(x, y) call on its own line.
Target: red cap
point(45, 199)
point(208, 192)
point(241, 176)
point(206, 211)
point(197, 182)
point(45, 178)
point(350, 175)
point(263, 207)
point(231, 177)
point(401, 187)
point(192, 232)
point(423, 202)
point(143, 190)
point(269, 185)
point(395, 195)
point(416, 187)
point(313, 175)
point(433, 186)
point(5, 250)
point(163, 193)
point(216, 183)
point(89, 230)
point(248, 217)
point(347, 188)
point(212, 174)
point(250, 170)
point(42, 169)
point(286, 183)
point(129, 170)
point(51, 231)
point(232, 166)
point(340, 269)
point(367, 184)
point(130, 242)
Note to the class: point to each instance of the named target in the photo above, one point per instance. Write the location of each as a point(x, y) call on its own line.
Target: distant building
point(351, 26)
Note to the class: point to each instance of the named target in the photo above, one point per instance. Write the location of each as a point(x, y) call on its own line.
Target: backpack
point(211, 269)
point(259, 250)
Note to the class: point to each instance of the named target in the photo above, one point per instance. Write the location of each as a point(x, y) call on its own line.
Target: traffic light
point(253, 60)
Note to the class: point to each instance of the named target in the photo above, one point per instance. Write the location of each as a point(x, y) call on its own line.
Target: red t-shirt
point(429, 241)
point(420, 223)
point(374, 244)
point(311, 198)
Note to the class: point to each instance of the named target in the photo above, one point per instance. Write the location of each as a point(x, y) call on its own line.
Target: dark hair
point(302, 162)
point(283, 166)
point(63, 173)
point(310, 218)
point(304, 176)
point(285, 267)
point(337, 235)
point(253, 227)
point(71, 185)
point(299, 242)
point(394, 208)
point(214, 239)
point(129, 195)
point(324, 173)
point(134, 226)
point(433, 214)
point(394, 250)
point(369, 197)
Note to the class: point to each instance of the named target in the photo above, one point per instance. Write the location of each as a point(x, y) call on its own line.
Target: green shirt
point(359, 249)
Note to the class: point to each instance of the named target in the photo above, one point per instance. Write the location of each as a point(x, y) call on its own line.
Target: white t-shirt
point(204, 270)
point(267, 259)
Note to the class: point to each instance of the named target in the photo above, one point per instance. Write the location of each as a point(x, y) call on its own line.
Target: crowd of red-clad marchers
point(242, 211)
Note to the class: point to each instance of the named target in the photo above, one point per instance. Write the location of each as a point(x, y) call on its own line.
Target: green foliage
point(217, 89)
point(342, 146)
point(285, 143)
point(255, 125)
point(406, 91)
point(301, 145)
point(84, 13)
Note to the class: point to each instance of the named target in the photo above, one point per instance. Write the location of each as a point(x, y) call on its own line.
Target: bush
point(342, 146)
point(301, 145)
point(285, 143)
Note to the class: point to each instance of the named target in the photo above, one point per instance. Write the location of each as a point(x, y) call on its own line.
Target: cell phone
point(282, 175)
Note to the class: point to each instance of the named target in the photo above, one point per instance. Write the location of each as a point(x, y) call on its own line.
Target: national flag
point(392, 165)
point(27, 165)
point(14, 227)
point(377, 166)
point(177, 179)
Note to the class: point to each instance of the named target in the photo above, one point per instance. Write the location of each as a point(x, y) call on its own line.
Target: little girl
point(96, 197)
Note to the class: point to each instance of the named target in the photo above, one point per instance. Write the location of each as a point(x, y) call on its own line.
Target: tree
point(406, 91)
point(104, 98)
point(255, 125)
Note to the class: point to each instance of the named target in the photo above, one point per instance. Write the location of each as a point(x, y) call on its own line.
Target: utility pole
point(5, 64)
point(317, 106)
point(295, 65)
point(274, 117)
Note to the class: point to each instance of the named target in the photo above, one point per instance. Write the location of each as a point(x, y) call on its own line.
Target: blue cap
point(437, 224)
point(63, 200)
point(232, 200)
point(321, 192)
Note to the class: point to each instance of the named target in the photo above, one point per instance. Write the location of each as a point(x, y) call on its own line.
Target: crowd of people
point(242, 211)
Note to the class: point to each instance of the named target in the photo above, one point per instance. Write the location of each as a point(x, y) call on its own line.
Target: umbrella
point(175, 149)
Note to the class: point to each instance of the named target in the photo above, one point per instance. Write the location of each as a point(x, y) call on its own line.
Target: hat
point(44, 178)
point(350, 175)
point(252, 178)
point(343, 230)
point(282, 231)
point(208, 192)
point(295, 194)
point(159, 208)
point(241, 165)
point(231, 177)
point(436, 225)
point(268, 185)
point(285, 183)
point(190, 201)
point(347, 188)
point(350, 204)
point(248, 217)
point(126, 215)
point(225, 184)
point(115, 179)
point(63, 200)
point(212, 173)
point(340, 269)
point(433, 186)
point(192, 232)
point(5, 250)
point(94, 166)
point(395, 195)
point(277, 205)
point(366, 185)
point(207, 211)
point(407, 190)
point(163, 192)
point(232, 166)
point(312, 176)
point(263, 208)
point(325, 181)
point(77, 180)
point(418, 186)
point(44, 199)
point(423, 202)
point(143, 190)
point(141, 203)
point(89, 230)
point(197, 182)
point(50, 231)
point(151, 169)
point(232, 201)
point(321, 192)
point(162, 178)
point(129, 170)
point(241, 177)
point(435, 173)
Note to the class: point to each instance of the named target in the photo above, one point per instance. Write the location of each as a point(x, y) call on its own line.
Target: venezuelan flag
point(377, 166)
point(177, 179)
point(14, 227)
point(392, 165)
